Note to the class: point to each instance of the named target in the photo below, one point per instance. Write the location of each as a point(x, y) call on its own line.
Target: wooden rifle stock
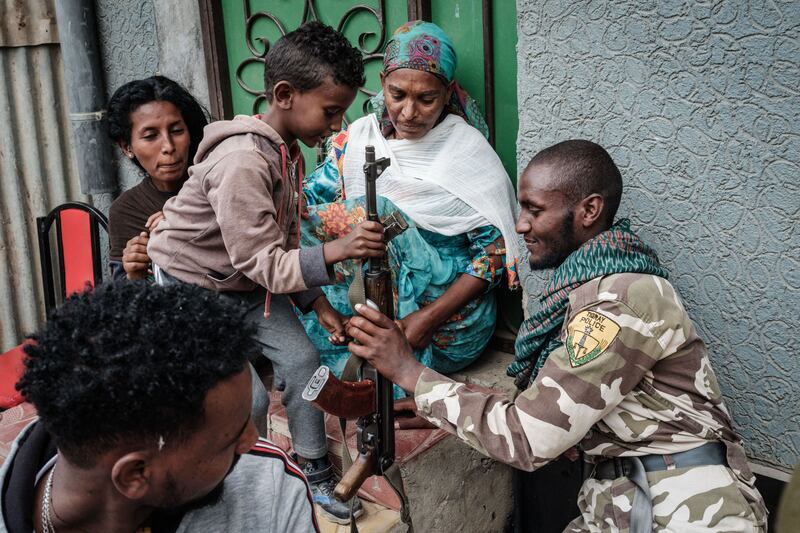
point(362, 468)
point(343, 399)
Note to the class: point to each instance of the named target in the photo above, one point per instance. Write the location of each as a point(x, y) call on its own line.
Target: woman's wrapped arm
point(488, 255)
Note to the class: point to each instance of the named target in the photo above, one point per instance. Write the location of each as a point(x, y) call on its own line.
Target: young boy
point(234, 227)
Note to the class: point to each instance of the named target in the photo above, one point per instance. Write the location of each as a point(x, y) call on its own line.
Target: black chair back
point(77, 232)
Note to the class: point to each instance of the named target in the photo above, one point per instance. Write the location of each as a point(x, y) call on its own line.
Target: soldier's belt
point(712, 453)
point(636, 468)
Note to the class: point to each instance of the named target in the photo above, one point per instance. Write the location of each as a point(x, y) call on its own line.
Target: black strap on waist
point(636, 468)
point(711, 453)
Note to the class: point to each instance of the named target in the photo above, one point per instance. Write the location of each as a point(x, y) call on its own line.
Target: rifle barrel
point(371, 175)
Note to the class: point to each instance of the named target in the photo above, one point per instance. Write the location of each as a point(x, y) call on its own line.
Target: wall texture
point(37, 173)
point(698, 103)
point(37, 166)
point(129, 48)
point(139, 39)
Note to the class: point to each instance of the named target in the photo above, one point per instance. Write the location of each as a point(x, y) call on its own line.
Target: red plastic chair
point(77, 229)
point(12, 366)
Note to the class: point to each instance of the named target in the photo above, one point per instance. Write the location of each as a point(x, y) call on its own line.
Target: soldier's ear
point(590, 210)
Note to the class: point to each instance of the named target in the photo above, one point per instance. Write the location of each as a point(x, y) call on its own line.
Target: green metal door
point(249, 25)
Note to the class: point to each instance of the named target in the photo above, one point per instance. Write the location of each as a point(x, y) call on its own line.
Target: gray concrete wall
point(141, 38)
point(698, 104)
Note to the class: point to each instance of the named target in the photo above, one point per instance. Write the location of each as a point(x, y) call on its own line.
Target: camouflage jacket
point(632, 378)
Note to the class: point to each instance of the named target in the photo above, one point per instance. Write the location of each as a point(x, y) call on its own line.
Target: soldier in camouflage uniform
point(631, 383)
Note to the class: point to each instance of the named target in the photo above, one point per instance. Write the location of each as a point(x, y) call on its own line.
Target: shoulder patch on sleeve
point(588, 336)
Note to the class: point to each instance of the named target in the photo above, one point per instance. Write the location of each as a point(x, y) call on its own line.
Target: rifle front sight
point(372, 171)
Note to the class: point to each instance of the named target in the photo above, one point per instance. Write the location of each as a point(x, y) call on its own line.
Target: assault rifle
point(363, 392)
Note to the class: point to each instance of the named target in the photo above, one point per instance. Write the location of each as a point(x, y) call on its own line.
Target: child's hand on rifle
point(366, 240)
point(332, 320)
point(384, 345)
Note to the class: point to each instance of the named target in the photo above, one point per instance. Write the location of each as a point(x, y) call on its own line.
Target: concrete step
point(489, 371)
point(376, 519)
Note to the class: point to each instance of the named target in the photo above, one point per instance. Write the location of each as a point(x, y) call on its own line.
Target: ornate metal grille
point(259, 46)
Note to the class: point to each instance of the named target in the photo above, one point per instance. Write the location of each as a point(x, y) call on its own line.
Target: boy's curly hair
point(307, 55)
point(132, 362)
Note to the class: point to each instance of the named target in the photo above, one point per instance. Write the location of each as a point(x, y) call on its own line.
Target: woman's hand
point(383, 344)
point(421, 325)
point(366, 240)
point(419, 328)
point(135, 260)
point(332, 320)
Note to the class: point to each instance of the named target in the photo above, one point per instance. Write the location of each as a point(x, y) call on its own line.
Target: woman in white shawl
point(451, 187)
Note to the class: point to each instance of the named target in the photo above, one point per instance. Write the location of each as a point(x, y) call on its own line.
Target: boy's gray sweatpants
point(294, 360)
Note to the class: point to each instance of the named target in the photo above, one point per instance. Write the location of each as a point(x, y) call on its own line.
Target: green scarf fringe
point(613, 251)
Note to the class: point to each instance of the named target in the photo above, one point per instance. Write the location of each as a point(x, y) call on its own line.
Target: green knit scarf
point(613, 251)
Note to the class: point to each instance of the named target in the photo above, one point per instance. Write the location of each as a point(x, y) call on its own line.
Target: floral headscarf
point(425, 46)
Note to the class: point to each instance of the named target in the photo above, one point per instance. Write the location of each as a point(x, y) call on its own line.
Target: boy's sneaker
point(322, 480)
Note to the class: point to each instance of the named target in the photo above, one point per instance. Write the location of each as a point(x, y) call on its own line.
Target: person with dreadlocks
point(611, 363)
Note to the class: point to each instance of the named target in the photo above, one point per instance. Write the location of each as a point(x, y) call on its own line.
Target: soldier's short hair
point(583, 168)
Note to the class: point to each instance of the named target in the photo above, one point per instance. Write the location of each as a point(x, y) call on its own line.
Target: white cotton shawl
point(450, 181)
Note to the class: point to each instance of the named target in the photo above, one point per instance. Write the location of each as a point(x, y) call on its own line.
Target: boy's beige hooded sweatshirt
point(234, 224)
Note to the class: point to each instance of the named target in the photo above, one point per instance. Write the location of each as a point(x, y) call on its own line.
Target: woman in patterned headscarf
point(449, 184)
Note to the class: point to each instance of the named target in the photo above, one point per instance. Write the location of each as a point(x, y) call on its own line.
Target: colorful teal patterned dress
point(424, 265)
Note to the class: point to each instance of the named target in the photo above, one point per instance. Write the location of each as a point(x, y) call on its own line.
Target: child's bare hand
point(332, 320)
point(366, 240)
point(135, 260)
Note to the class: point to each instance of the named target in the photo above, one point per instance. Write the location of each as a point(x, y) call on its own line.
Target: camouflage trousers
point(702, 498)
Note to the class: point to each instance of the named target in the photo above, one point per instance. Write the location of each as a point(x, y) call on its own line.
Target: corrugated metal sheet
point(27, 22)
point(37, 172)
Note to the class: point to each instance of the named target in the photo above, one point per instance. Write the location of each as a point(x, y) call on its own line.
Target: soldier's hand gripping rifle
point(370, 398)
